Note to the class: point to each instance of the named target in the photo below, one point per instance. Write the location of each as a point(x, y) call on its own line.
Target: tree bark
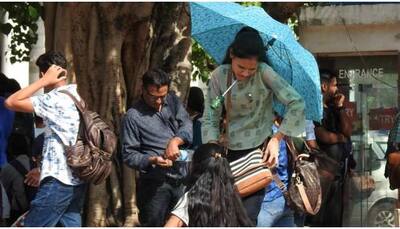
point(109, 46)
point(282, 11)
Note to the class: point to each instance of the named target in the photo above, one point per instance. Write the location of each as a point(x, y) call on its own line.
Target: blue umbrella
point(215, 25)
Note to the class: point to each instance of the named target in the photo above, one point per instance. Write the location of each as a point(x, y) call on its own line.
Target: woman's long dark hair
point(212, 198)
point(248, 43)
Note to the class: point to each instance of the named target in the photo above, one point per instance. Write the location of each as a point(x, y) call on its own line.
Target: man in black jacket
point(333, 137)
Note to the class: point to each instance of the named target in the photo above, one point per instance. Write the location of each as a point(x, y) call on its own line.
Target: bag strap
point(228, 109)
point(306, 201)
point(19, 167)
point(79, 104)
point(22, 171)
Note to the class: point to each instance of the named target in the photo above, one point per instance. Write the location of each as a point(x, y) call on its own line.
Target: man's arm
point(20, 100)
point(185, 129)
point(345, 123)
point(328, 137)
point(310, 135)
point(131, 154)
point(184, 134)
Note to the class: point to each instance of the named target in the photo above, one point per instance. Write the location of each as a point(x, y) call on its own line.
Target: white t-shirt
point(61, 118)
point(181, 209)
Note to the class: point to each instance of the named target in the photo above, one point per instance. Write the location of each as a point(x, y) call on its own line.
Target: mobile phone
point(61, 75)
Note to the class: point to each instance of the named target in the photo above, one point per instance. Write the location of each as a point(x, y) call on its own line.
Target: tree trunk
point(109, 46)
point(282, 11)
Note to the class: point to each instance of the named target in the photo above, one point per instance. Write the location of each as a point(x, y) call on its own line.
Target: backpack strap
point(79, 104)
point(23, 171)
point(19, 167)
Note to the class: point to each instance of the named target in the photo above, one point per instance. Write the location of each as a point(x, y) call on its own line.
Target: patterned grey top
point(61, 118)
point(251, 115)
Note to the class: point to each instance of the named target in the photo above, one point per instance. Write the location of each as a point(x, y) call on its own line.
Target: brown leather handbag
point(304, 192)
point(250, 174)
point(90, 158)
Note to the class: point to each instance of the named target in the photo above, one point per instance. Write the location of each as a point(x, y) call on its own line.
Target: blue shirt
point(6, 125)
point(272, 190)
point(146, 132)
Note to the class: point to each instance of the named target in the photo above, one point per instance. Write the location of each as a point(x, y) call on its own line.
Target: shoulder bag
point(304, 191)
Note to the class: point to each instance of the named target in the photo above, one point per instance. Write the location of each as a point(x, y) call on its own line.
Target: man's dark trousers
point(156, 199)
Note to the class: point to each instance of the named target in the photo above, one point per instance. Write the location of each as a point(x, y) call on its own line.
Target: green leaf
point(33, 13)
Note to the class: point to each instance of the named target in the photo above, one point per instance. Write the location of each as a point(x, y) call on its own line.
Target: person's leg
point(145, 191)
point(72, 216)
point(177, 193)
point(299, 219)
point(270, 212)
point(49, 205)
point(335, 206)
point(286, 219)
point(158, 206)
point(252, 204)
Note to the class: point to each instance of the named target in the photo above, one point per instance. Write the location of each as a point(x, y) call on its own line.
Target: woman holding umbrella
point(250, 114)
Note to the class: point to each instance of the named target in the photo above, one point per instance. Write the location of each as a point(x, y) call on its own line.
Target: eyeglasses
point(154, 97)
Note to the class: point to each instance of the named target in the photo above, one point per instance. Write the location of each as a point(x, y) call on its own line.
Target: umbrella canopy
point(215, 25)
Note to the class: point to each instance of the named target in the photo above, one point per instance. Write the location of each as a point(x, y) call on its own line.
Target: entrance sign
point(361, 73)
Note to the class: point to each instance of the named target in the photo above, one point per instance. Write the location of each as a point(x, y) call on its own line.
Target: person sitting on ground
point(19, 177)
point(211, 199)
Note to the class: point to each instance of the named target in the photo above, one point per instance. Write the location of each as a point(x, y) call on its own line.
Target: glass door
point(370, 84)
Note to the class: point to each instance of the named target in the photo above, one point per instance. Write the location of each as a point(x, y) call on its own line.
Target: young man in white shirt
point(60, 195)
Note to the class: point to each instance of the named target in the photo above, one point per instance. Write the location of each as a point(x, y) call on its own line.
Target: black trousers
point(252, 203)
point(156, 199)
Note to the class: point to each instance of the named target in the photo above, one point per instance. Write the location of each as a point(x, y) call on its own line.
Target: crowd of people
point(175, 187)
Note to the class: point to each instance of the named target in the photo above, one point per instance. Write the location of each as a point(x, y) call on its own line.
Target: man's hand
point(271, 153)
point(32, 178)
point(52, 74)
point(341, 138)
point(157, 160)
point(172, 151)
point(339, 100)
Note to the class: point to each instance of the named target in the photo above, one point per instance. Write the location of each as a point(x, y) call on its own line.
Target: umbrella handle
point(270, 43)
point(220, 99)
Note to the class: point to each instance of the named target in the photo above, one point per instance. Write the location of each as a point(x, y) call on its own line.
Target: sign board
point(382, 118)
